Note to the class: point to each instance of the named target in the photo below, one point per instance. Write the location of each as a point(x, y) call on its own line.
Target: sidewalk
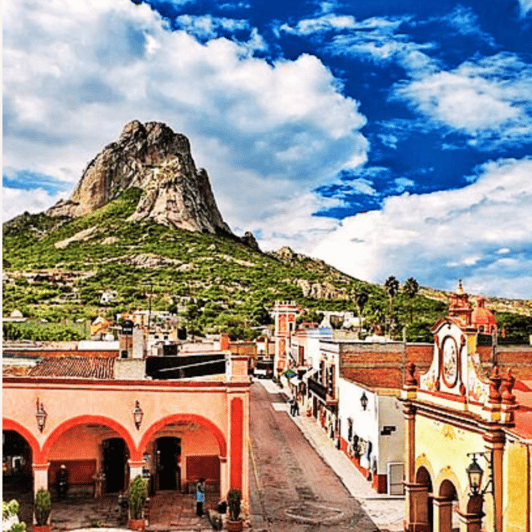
point(387, 512)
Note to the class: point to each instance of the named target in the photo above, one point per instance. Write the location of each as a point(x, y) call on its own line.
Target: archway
point(424, 514)
point(182, 448)
point(94, 450)
point(446, 516)
point(17, 459)
point(17, 471)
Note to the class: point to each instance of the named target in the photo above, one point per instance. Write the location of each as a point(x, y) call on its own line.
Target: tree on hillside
point(410, 290)
point(391, 286)
point(361, 298)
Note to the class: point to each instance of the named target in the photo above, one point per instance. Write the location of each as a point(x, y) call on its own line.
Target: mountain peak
point(153, 158)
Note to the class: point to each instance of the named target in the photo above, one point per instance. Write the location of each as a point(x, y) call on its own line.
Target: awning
point(289, 373)
point(308, 374)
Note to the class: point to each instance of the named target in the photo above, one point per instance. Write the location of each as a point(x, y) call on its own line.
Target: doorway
point(114, 464)
point(168, 459)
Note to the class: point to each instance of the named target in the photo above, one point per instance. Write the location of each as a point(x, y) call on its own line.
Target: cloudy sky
point(385, 137)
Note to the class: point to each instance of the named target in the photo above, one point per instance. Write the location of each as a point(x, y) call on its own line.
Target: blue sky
point(385, 137)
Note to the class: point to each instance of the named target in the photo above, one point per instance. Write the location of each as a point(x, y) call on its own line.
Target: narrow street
point(292, 489)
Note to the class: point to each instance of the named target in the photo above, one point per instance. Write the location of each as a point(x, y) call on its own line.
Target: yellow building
point(461, 421)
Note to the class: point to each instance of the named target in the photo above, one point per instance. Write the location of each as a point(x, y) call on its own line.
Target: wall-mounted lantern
point(41, 416)
point(475, 474)
point(364, 401)
point(137, 415)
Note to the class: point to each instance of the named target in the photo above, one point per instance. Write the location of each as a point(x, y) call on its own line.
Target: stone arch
point(204, 422)
point(449, 475)
point(422, 461)
point(38, 456)
point(422, 499)
point(85, 420)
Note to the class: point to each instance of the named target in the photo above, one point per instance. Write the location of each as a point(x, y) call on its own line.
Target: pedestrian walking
point(200, 496)
point(296, 408)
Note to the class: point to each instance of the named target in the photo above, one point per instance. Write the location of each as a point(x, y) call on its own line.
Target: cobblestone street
point(292, 488)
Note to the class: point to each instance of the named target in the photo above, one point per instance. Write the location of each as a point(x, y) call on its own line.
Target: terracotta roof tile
point(84, 367)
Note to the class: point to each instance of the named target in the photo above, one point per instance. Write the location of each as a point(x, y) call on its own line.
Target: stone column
point(418, 508)
point(411, 487)
point(470, 522)
point(443, 514)
point(40, 476)
point(495, 443)
point(135, 468)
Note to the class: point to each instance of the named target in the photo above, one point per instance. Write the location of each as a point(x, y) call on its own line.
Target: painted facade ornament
point(478, 390)
point(507, 384)
point(410, 380)
point(494, 384)
point(448, 432)
point(449, 361)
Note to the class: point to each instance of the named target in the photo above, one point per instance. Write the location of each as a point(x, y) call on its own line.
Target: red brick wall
point(516, 358)
point(383, 364)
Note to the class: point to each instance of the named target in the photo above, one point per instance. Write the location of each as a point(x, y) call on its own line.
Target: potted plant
point(235, 523)
point(136, 497)
point(42, 508)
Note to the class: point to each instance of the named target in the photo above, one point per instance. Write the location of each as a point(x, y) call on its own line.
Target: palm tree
point(361, 298)
point(392, 287)
point(410, 289)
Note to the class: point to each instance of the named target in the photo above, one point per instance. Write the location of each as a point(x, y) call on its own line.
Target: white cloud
point(489, 99)
point(526, 6)
point(443, 236)
point(265, 132)
point(208, 27)
point(32, 201)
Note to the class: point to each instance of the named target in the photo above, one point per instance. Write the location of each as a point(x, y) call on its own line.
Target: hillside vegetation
point(57, 268)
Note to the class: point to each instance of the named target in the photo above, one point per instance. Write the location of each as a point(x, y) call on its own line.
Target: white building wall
point(365, 422)
point(391, 447)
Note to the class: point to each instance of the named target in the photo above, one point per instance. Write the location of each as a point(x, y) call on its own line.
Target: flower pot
point(136, 524)
point(234, 526)
point(41, 528)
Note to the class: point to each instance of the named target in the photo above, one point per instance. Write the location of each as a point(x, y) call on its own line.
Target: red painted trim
point(204, 422)
point(69, 383)
point(85, 420)
point(37, 455)
point(237, 442)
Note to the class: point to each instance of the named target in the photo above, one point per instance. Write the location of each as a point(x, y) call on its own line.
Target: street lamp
point(137, 415)
point(475, 474)
point(364, 400)
point(41, 416)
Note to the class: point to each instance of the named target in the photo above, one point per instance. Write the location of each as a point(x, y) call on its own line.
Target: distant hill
point(141, 230)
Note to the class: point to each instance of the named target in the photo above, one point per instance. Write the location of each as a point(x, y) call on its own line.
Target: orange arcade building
point(107, 425)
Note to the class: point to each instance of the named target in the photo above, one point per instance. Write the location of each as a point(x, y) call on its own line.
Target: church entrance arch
point(444, 508)
point(424, 501)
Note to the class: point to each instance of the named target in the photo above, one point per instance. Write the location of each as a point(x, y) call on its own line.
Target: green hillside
point(214, 282)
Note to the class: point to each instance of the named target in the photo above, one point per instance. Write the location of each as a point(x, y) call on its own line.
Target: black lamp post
point(137, 415)
point(41, 416)
point(474, 474)
point(364, 400)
